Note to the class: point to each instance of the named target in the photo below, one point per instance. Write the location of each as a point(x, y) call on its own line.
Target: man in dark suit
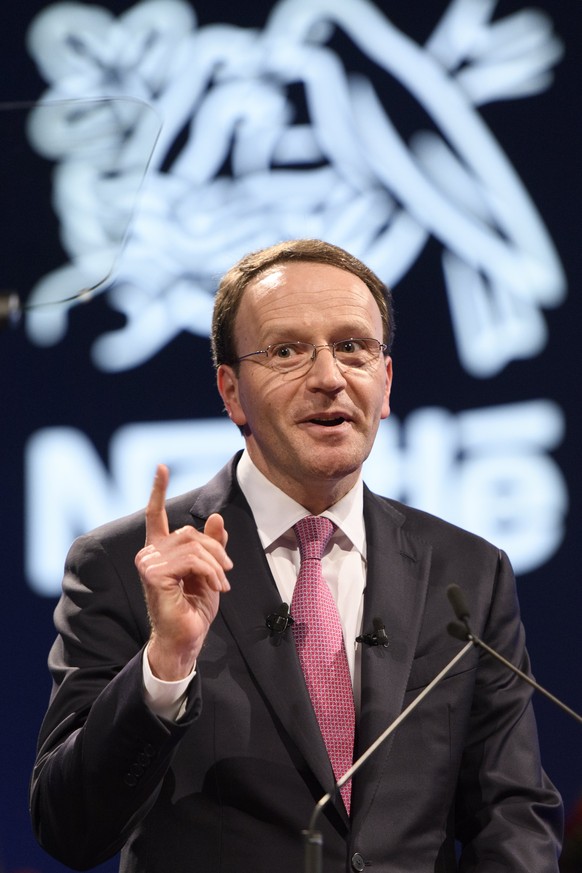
point(182, 729)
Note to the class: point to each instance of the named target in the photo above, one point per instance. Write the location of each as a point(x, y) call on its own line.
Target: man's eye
point(286, 351)
point(349, 346)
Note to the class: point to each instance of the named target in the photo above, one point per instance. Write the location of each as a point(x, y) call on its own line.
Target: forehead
point(308, 292)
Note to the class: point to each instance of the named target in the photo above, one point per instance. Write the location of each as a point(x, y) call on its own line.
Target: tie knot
point(313, 534)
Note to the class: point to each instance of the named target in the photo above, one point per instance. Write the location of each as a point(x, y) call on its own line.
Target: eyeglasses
point(354, 353)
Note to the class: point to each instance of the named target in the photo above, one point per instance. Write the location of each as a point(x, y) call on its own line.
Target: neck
point(317, 495)
point(316, 503)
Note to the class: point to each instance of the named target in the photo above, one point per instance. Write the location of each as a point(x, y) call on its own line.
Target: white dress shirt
point(343, 568)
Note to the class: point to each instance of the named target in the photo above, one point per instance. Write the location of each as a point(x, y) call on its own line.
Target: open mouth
point(328, 422)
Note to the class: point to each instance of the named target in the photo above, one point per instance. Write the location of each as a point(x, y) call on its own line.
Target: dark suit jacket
point(231, 786)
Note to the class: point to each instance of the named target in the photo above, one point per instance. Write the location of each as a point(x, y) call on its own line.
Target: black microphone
point(462, 630)
point(279, 621)
point(458, 602)
point(377, 637)
point(312, 839)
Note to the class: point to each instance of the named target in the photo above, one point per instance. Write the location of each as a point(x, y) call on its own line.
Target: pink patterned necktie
point(320, 645)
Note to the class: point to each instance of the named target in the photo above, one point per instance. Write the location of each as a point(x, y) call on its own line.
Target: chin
point(334, 465)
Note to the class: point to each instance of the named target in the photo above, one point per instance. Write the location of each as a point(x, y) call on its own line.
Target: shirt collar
point(275, 512)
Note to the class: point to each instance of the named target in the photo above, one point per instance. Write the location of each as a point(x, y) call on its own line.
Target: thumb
point(155, 516)
point(214, 528)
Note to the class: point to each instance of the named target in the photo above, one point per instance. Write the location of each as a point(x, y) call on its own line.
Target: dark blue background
point(58, 386)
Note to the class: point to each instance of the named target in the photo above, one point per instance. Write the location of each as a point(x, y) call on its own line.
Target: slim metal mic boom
point(312, 838)
point(461, 629)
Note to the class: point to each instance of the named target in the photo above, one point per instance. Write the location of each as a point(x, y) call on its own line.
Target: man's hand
point(183, 575)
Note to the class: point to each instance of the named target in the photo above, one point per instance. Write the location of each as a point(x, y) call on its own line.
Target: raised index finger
point(155, 516)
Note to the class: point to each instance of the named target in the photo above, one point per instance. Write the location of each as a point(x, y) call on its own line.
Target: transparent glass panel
point(95, 152)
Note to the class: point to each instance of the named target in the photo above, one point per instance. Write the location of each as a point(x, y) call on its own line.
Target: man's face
point(284, 414)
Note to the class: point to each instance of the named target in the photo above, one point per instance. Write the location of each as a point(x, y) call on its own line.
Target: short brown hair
point(233, 284)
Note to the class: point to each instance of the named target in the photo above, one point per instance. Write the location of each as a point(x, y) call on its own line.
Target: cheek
point(261, 397)
point(372, 398)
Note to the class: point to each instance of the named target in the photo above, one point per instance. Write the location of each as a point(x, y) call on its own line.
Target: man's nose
point(325, 369)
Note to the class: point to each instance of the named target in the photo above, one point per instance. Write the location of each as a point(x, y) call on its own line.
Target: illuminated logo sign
point(434, 459)
point(310, 149)
point(271, 134)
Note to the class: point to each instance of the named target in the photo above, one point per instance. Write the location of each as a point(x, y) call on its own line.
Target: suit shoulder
point(432, 528)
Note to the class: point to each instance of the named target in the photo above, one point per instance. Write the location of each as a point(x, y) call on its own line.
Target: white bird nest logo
point(266, 135)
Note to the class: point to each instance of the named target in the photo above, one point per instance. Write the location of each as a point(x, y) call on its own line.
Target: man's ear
point(387, 388)
point(227, 383)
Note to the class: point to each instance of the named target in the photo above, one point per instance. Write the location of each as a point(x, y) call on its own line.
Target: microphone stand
point(462, 631)
point(312, 838)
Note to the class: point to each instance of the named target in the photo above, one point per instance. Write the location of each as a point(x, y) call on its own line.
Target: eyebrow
point(289, 336)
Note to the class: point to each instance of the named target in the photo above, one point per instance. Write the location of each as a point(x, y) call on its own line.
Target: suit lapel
point(271, 660)
point(397, 576)
point(396, 586)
